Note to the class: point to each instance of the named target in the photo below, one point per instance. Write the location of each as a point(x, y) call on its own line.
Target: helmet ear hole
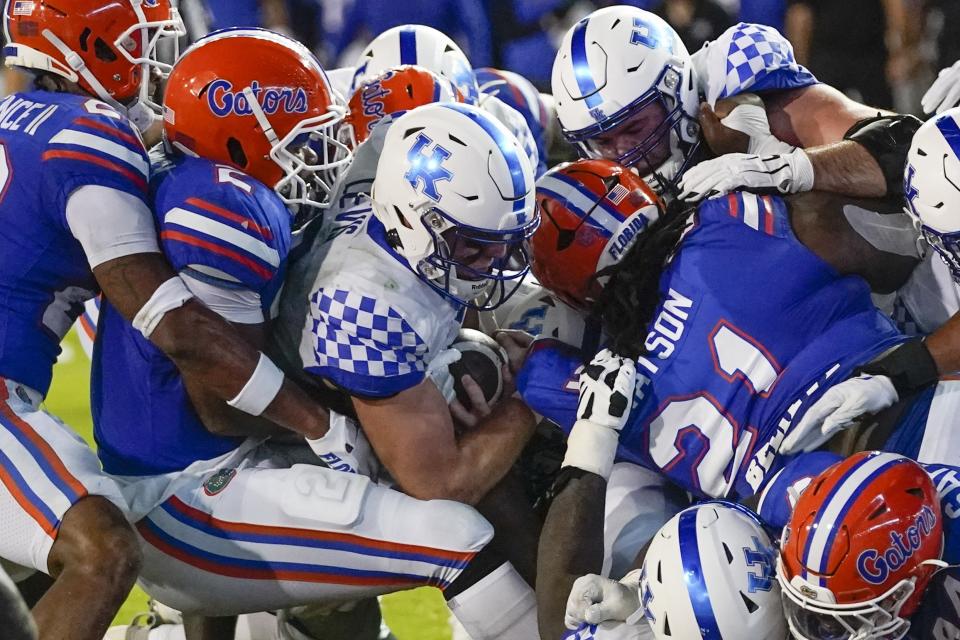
point(103, 51)
point(235, 149)
point(751, 605)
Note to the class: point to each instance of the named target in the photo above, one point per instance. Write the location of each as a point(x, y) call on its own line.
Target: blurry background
point(882, 52)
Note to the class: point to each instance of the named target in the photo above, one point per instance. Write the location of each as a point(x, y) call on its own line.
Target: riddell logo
point(875, 566)
point(223, 100)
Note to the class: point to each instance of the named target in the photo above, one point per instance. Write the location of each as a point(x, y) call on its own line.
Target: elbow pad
point(887, 139)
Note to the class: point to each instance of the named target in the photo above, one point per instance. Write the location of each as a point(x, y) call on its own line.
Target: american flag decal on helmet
point(24, 7)
point(617, 194)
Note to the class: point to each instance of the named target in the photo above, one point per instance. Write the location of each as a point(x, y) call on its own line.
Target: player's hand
point(606, 390)
point(595, 599)
point(838, 409)
point(741, 129)
point(479, 408)
point(788, 173)
point(606, 395)
point(516, 344)
point(944, 93)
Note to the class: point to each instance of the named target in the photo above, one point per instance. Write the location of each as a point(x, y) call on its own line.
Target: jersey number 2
point(738, 359)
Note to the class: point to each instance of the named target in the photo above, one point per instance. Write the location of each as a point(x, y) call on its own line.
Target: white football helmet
point(624, 89)
point(932, 185)
point(455, 193)
point(710, 573)
point(422, 46)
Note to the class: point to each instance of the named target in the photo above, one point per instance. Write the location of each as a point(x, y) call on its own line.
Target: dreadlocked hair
point(631, 295)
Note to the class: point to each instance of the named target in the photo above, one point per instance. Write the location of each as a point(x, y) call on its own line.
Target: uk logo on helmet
point(223, 100)
point(762, 557)
point(153, 4)
point(426, 170)
point(875, 566)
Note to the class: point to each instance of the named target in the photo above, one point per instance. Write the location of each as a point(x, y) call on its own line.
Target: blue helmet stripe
point(951, 133)
point(693, 576)
point(408, 46)
point(605, 204)
point(580, 213)
point(509, 151)
point(581, 66)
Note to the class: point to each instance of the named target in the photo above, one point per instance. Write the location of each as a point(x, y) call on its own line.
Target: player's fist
point(595, 599)
point(838, 409)
point(606, 390)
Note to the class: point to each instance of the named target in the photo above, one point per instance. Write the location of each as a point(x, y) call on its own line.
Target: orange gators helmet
point(591, 212)
point(108, 47)
point(863, 542)
point(260, 102)
point(392, 92)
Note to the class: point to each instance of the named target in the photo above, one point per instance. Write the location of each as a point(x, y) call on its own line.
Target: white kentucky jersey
point(748, 57)
point(371, 326)
point(928, 299)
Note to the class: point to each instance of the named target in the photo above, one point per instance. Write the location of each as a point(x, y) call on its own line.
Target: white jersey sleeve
point(372, 326)
point(748, 57)
point(123, 224)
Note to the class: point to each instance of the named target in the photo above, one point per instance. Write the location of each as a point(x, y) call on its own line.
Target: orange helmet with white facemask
point(109, 48)
point(260, 102)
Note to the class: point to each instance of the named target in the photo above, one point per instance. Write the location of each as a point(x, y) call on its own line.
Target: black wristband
point(909, 365)
point(563, 478)
point(887, 138)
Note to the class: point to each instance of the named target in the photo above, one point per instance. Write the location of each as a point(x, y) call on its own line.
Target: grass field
point(413, 615)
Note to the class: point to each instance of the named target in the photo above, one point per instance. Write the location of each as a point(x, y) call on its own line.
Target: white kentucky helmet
point(932, 185)
point(709, 574)
point(455, 193)
point(615, 64)
point(422, 46)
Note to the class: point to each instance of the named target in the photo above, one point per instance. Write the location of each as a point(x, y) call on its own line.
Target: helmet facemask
point(662, 155)
point(451, 267)
point(310, 155)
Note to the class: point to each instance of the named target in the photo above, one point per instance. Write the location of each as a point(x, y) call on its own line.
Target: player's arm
point(571, 542)
point(412, 433)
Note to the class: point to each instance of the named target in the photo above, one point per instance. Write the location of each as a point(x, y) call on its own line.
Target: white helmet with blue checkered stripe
point(455, 193)
point(710, 573)
point(932, 185)
point(419, 45)
point(616, 64)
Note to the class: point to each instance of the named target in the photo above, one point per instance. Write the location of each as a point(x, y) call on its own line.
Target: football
point(482, 360)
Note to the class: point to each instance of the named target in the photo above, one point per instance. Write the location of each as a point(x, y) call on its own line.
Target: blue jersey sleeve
point(549, 381)
point(98, 147)
point(781, 493)
point(748, 57)
point(364, 345)
point(234, 234)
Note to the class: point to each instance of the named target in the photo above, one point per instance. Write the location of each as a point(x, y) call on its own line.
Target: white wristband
point(170, 295)
point(260, 390)
point(591, 447)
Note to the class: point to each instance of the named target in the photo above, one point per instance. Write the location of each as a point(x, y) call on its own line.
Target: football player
point(373, 306)
point(231, 525)
point(861, 545)
point(687, 295)
point(708, 573)
point(627, 90)
point(926, 430)
point(76, 219)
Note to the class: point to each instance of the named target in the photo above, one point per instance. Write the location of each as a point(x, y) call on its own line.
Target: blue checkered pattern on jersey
point(753, 49)
point(362, 335)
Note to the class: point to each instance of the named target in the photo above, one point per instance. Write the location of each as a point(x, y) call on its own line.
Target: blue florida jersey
point(218, 226)
point(750, 329)
point(51, 144)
